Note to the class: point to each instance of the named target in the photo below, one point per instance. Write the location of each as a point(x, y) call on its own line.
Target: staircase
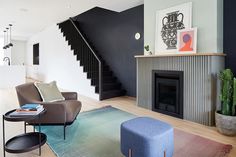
point(100, 74)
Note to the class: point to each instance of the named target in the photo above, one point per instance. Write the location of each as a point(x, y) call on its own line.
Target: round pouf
point(146, 137)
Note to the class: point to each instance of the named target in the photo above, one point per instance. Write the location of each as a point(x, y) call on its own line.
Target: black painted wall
point(112, 34)
point(230, 33)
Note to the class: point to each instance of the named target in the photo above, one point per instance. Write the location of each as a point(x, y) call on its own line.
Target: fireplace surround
point(200, 85)
point(167, 92)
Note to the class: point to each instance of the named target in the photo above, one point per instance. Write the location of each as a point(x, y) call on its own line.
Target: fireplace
point(167, 92)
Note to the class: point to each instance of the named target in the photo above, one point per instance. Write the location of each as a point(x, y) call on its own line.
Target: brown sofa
point(58, 113)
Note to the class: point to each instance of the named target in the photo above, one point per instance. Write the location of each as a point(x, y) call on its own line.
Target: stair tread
point(113, 93)
point(112, 83)
point(105, 77)
point(110, 91)
point(109, 86)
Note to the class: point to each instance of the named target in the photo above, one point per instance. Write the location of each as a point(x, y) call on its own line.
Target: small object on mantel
point(148, 49)
point(181, 55)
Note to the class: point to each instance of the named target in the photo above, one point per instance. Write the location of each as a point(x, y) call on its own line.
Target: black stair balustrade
point(80, 43)
point(106, 84)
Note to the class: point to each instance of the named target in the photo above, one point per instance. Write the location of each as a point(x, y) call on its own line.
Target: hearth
point(167, 93)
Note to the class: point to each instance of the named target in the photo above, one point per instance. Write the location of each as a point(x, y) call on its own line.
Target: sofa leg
point(130, 152)
point(64, 132)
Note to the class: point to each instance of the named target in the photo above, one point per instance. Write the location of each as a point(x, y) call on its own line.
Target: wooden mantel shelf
point(181, 55)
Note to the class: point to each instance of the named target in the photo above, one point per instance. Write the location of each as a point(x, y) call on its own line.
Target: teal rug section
point(95, 133)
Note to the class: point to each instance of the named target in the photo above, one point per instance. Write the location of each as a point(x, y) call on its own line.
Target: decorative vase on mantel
point(170, 24)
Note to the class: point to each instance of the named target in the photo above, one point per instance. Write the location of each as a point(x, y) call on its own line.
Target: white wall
point(18, 52)
point(220, 25)
point(1, 50)
point(13, 76)
point(207, 16)
point(57, 62)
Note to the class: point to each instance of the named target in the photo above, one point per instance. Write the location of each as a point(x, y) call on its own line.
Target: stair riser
point(112, 95)
point(96, 82)
point(105, 73)
point(108, 87)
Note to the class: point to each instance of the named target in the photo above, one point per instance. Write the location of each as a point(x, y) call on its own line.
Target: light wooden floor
point(8, 100)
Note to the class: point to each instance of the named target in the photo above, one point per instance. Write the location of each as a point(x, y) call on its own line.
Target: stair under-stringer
point(109, 86)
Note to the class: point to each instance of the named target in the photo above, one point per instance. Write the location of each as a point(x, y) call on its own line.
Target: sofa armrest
point(55, 113)
point(69, 95)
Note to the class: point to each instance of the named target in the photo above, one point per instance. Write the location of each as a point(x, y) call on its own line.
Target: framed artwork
point(187, 40)
point(168, 22)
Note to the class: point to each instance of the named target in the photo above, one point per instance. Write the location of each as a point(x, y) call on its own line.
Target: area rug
point(96, 133)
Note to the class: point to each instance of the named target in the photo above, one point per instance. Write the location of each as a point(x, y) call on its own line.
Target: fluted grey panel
point(200, 91)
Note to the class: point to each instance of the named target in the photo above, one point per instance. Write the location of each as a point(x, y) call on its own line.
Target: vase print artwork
point(171, 23)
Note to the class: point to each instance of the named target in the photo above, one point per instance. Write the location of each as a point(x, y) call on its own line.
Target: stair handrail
point(94, 54)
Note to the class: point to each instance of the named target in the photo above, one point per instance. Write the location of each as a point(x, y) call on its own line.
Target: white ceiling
point(31, 16)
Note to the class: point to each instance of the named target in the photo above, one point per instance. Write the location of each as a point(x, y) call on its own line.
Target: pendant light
point(7, 40)
point(7, 46)
point(4, 47)
point(10, 44)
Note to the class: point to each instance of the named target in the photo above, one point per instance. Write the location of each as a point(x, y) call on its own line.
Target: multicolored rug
point(96, 133)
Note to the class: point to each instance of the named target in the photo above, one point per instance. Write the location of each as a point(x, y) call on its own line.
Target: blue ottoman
point(146, 137)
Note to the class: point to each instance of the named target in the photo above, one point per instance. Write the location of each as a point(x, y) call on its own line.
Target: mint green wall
point(207, 16)
point(220, 21)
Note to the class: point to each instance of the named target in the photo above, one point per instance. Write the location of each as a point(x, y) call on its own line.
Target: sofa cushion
point(49, 91)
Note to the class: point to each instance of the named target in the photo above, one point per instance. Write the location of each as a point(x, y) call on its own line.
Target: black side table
point(24, 142)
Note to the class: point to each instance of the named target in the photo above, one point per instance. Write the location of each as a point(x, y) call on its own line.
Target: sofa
point(57, 113)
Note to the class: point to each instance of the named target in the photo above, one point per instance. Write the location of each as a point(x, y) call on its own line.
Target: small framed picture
point(187, 40)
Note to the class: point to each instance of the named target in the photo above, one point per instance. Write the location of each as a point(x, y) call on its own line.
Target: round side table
point(23, 142)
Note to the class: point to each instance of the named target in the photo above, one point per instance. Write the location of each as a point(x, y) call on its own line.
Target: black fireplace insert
point(167, 93)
